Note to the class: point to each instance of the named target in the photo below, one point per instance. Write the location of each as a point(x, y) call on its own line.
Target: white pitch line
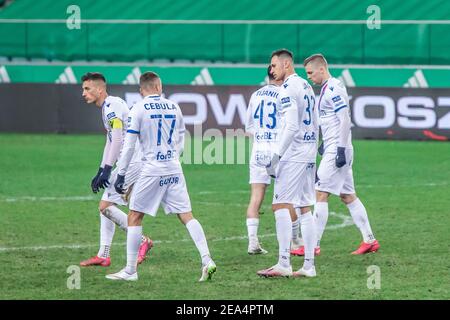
point(346, 221)
point(94, 198)
point(31, 198)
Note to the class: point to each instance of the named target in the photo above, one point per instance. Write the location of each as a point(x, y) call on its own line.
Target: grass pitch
point(49, 222)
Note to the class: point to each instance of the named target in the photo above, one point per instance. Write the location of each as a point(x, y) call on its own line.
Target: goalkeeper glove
point(120, 181)
point(272, 166)
point(94, 181)
point(104, 177)
point(321, 149)
point(340, 157)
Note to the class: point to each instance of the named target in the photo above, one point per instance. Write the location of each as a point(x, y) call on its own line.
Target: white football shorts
point(170, 191)
point(131, 177)
point(336, 180)
point(258, 174)
point(295, 184)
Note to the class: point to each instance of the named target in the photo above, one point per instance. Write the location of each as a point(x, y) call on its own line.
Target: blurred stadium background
point(211, 55)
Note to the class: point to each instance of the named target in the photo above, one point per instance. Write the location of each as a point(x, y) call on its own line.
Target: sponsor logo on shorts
point(170, 180)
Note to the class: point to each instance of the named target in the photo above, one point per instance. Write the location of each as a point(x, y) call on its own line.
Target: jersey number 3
point(308, 108)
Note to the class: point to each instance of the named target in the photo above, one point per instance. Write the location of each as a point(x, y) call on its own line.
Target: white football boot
point(207, 271)
point(302, 272)
point(122, 275)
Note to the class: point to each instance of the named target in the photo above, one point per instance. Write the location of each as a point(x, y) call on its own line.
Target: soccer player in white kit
point(159, 125)
point(114, 115)
point(335, 170)
point(293, 165)
point(263, 123)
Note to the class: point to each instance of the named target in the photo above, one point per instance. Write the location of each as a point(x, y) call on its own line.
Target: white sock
point(107, 228)
point(198, 235)
point(133, 242)
point(301, 242)
point(295, 232)
point(117, 216)
point(252, 230)
point(360, 218)
point(321, 218)
point(309, 237)
point(284, 236)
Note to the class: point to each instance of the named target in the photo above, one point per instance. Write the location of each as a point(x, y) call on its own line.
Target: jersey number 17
point(172, 126)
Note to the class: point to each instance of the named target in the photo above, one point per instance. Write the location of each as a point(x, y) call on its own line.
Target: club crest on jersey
point(331, 88)
point(285, 100)
point(336, 99)
point(111, 115)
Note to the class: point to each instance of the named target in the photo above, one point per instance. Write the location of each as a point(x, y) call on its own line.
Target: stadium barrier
point(377, 113)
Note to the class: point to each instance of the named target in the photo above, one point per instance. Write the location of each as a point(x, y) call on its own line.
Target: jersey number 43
point(259, 114)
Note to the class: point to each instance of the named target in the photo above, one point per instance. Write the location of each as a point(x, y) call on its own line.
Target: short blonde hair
point(317, 57)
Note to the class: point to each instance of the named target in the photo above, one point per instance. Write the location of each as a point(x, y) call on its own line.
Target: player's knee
point(185, 217)
point(278, 206)
point(103, 205)
point(347, 198)
point(322, 196)
point(135, 218)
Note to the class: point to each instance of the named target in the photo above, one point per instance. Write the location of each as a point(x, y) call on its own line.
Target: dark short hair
point(269, 73)
point(148, 78)
point(314, 57)
point(283, 53)
point(93, 76)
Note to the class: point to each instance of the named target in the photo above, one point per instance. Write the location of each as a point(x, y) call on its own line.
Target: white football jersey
point(263, 121)
point(114, 108)
point(159, 123)
point(333, 98)
point(117, 108)
point(295, 92)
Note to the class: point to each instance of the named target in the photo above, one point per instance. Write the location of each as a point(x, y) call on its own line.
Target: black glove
point(120, 180)
point(94, 182)
point(321, 149)
point(340, 157)
point(271, 168)
point(104, 177)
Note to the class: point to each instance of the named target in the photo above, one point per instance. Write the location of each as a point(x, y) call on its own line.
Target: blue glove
point(272, 166)
point(321, 149)
point(120, 181)
point(104, 177)
point(94, 181)
point(340, 157)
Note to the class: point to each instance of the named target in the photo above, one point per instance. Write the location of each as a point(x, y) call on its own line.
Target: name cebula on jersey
point(159, 106)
